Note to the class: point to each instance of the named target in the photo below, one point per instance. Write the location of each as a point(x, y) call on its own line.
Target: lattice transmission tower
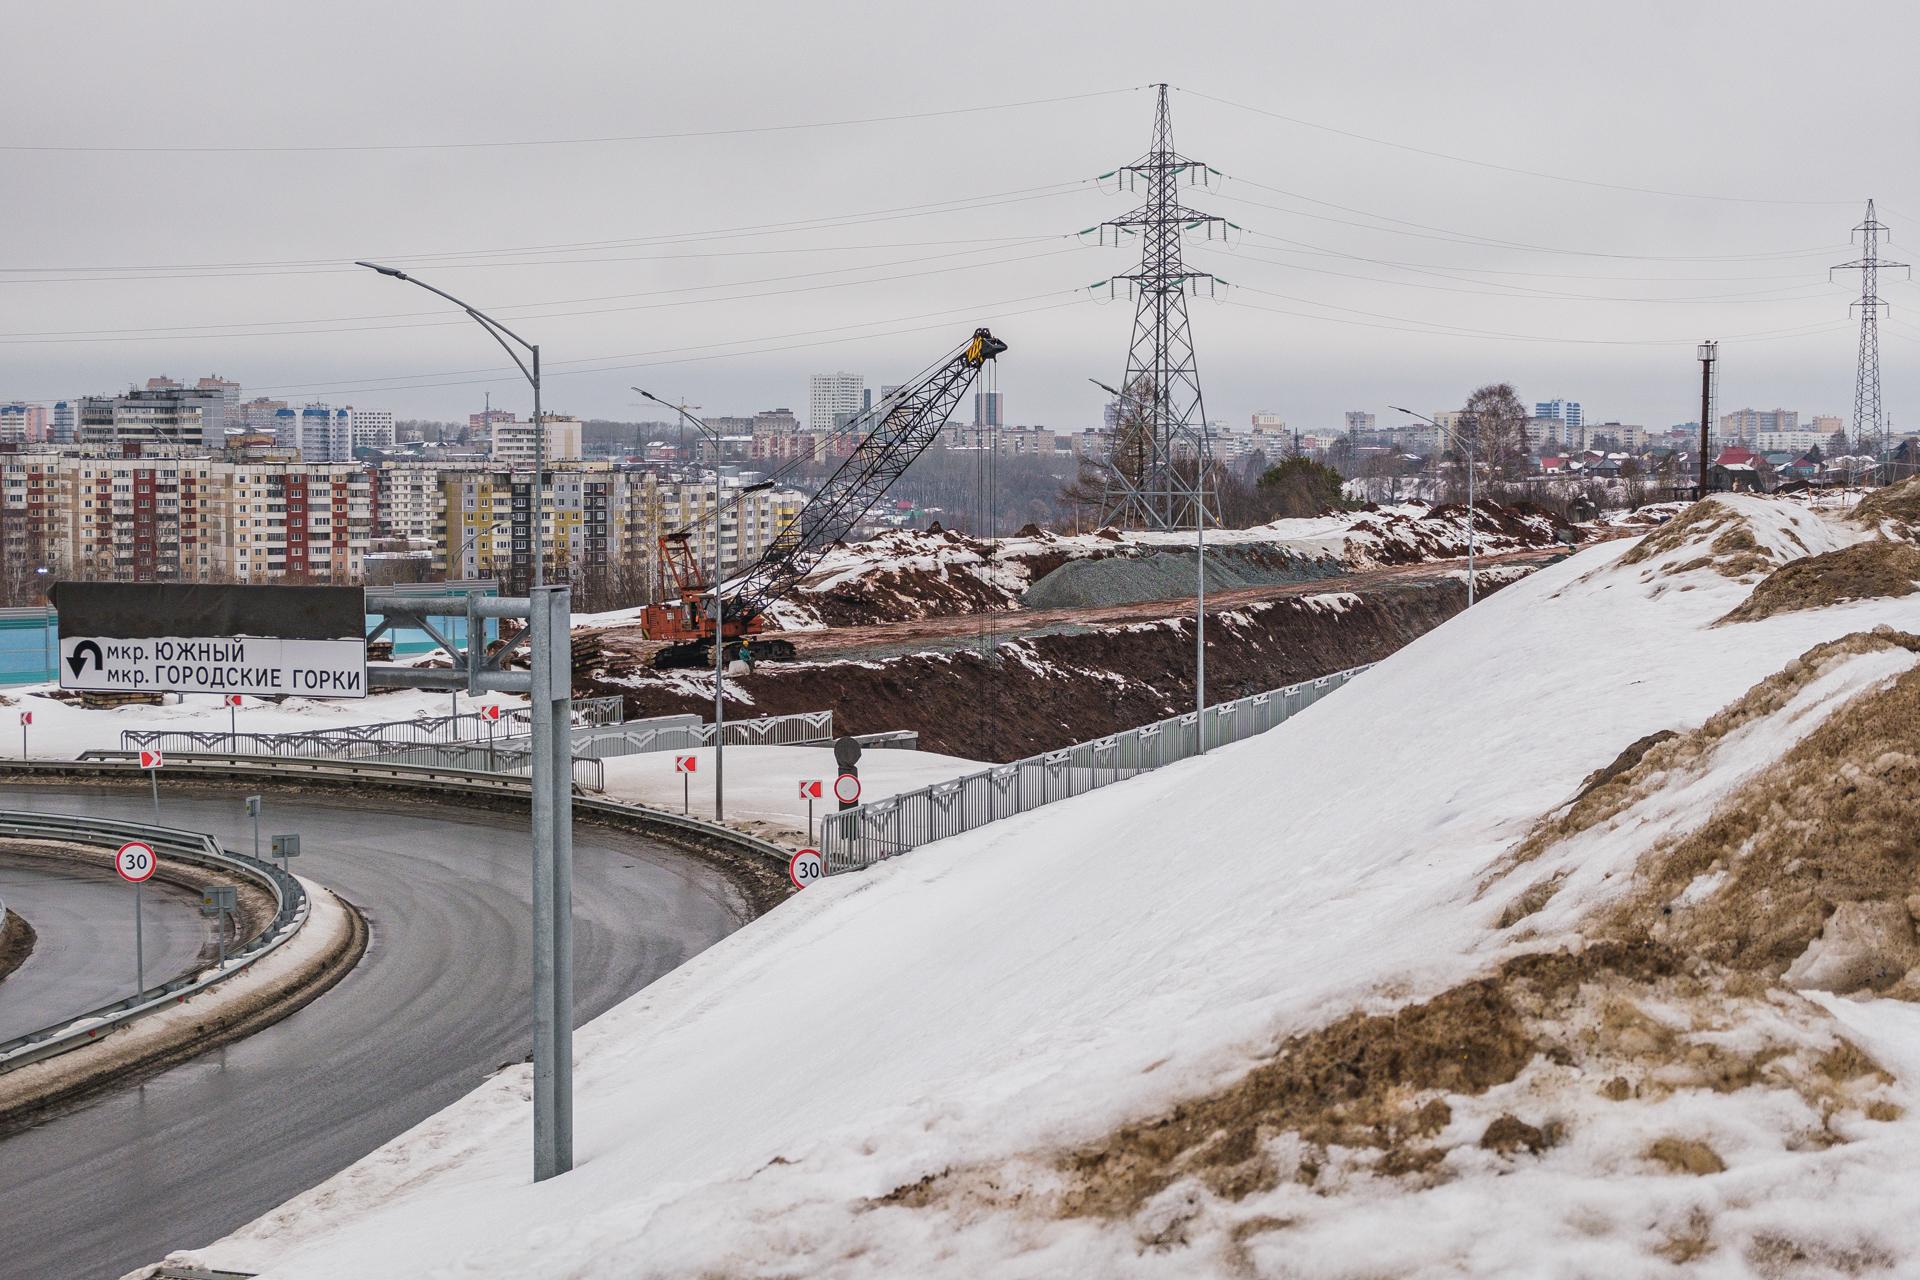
point(1869, 420)
point(1160, 403)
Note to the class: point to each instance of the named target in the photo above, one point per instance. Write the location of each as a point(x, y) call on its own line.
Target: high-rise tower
point(1869, 420)
point(1160, 399)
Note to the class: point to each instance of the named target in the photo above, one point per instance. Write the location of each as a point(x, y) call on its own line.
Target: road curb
point(229, 1011)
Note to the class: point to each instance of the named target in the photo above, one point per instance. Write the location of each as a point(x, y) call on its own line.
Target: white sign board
point(846, 788)
point(151, 758)
point(135, 861)
point(256, 665)
point(813, 789)
point(686, 764)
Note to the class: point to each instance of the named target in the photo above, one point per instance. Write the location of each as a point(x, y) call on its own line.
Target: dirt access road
point(940, 634)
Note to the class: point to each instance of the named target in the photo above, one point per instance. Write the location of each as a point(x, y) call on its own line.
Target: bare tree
point(1496, 422)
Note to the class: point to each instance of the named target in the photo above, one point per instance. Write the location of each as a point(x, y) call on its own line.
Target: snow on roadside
point(763, 782)
point(62, 730)
point(769, 1108)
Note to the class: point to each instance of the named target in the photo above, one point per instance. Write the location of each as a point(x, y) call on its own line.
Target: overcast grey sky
point(1333, 306)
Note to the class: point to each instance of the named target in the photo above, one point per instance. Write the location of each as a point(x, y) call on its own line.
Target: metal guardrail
point(362, 740)
point(762, 731)
point(885, 828)
point(378, 773)
point(510, 755)
point(290, 898)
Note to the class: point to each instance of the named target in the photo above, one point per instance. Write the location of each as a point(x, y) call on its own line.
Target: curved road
point(442, 998)
point(84, 957)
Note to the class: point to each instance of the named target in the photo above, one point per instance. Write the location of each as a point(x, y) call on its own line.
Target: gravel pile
point(1165, 575)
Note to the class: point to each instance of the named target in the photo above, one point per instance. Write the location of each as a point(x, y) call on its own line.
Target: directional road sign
point(491, 711)
point(846, 788)
point(151, 759)
point(201, 638)
point(26, 717)
point(806, 867)
point(813, 789)
point(135, 861)
point(686, 764)
point(287, 846)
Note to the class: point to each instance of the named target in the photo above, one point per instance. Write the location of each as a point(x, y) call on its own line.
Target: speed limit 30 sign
point(806, 867)
point(135, 861)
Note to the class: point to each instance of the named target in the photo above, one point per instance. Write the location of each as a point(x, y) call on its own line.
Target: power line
point(227, 149)
point(597, 311)
point(1444, 272)
point(1504, 168)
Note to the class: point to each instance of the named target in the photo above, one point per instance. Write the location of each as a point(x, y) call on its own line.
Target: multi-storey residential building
point(370, 428)
point(1798, 441)
point(158, 518)
point(989, 409)
point(159, 415)
point(511, 439)
point(1747, 424)
point(1359, 421)
point(1006, 442)
point(23, 423)
point(322, 433)
point(833, 397)
point(1827, 425)
point(261, 414)
point(1273, 423)
point(1566, 412)
point(63, 422)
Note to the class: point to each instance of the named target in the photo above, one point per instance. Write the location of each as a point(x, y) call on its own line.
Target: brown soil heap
point(1897, 504)
point(1864, 571)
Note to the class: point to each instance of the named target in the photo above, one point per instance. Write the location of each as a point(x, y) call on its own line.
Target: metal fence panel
point(864, 835)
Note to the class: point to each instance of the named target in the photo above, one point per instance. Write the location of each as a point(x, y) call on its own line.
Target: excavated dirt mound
point(1732, 553)
point(1863, 571)
point(1044, 692)
point(1814, 867)
point(1897, 504)
point(17, 939)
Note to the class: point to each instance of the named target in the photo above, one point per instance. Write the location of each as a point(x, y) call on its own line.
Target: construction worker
point(746, 654)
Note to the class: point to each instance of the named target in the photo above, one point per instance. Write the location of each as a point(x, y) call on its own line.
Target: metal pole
point(139, 943)
point(256, 835)
point(153, 776)
point(1200, 600)
point(539, 466)
point(719, 654)
point(1472, 540)
point(546, 1159)
point(233, 728)
point(560, 776)
point(1707, 352)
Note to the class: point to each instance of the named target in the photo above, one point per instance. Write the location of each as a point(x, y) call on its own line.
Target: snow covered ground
point(763, 783)
point(951, 1065)
point(62, 730)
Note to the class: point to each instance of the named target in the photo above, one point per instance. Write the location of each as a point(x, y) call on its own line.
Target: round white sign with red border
point(135, 861)
point(806, 867)
point(846, 788)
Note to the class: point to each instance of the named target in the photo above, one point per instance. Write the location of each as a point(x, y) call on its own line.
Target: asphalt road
point(441, 999)
point(84, 956)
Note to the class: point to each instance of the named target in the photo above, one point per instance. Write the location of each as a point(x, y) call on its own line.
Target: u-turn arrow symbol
point(79, 659)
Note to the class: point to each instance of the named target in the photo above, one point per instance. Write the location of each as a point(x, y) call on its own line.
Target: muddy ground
point(1043, 691)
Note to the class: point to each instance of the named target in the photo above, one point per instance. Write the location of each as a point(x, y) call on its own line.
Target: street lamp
point(1467, 444)
point(1200, 576)
point(719, 611)
point(531, 368)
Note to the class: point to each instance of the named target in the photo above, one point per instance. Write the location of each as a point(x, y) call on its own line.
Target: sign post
point(284, 847)
point(253, 811)
point(151, 760)
point(492, 713)
point(685, 766)
point(135, 863)
point(810, 790)
point(219, 901)
point(233, 724)
point(26, 718)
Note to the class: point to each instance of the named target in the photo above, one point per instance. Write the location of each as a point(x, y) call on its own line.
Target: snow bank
point(808, 1096)
point(763, 783)
point(62, 730)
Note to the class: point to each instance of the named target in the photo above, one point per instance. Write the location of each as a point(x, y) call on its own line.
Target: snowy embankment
point(763, 783)
point(63, 729)
point(1458, 972)
point(906, 574)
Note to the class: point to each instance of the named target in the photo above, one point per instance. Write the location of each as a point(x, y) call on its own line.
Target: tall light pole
point(531, 368)
point(719, 608)
point(1466, 443)
point(1200, 577)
